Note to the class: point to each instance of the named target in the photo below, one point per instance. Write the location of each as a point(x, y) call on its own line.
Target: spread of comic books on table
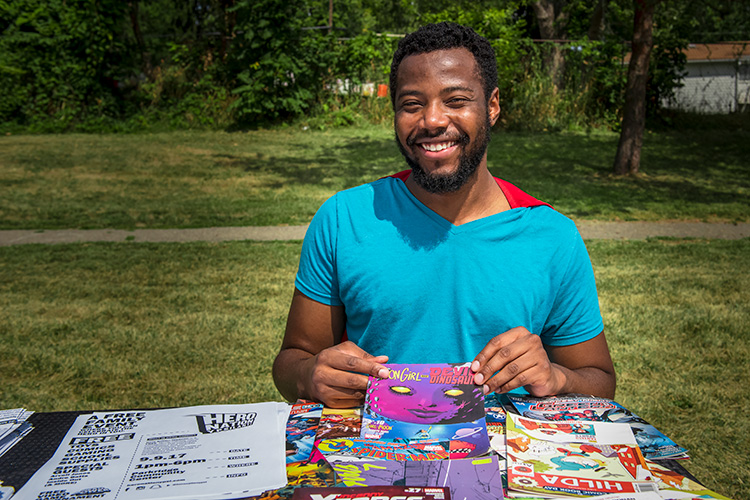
point(426, 432)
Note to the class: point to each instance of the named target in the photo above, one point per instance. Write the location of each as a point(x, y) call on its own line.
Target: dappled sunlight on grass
point(269, 177)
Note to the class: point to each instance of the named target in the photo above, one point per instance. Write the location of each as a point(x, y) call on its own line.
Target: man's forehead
point(455, 61)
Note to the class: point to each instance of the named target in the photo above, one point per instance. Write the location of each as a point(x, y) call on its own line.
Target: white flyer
point(206, 452)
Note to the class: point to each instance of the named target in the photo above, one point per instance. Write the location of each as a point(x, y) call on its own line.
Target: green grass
point(272, 177)
point(140, 325)
point(95, 326)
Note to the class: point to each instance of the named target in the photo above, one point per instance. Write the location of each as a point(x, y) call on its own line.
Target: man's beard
point(468, 162)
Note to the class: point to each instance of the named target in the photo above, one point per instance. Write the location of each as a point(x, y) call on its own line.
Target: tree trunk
point(628, 157)
point(596, 23)
point(136, 25)
point(552, 22)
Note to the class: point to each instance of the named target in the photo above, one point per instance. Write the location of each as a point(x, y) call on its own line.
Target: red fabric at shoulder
point(516, 198)
point(403, 175)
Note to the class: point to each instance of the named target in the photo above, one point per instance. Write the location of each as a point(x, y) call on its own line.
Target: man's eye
point(410, 104)
point(453, 392)
point(400, 389)
point(457, 101)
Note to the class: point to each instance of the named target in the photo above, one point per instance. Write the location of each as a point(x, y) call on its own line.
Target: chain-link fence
point(718, 84)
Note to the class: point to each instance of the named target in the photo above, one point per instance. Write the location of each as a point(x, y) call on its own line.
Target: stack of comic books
point(305, 468)
point(653, 444)
point(374, 493)
point(420, 428)
point(572, 459)
point(423, 427)
point(555, 449)
point(425, 432)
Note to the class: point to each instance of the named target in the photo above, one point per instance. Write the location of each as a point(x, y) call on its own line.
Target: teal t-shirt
point(421, 290)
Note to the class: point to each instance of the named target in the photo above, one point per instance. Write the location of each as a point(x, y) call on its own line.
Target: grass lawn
point(271, 177)
point(96, 326)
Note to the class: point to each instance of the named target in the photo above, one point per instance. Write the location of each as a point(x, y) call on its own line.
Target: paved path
point(589, 230)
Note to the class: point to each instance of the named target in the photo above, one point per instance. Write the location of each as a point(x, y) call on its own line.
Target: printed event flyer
point(427, 402)
point(195, 452)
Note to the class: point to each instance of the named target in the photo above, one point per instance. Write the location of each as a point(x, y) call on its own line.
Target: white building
point(716, 79)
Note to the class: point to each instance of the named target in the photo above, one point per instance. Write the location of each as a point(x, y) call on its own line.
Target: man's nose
point(434, 116)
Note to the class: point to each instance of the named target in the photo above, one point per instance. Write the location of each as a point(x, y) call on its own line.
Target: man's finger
point(517, 374)
point(346, 361)
point(497, 344)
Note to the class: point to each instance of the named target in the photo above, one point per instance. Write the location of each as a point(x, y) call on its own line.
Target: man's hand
point(520, 360)
point(517, 358)
point(314, 363)
point(337, 376)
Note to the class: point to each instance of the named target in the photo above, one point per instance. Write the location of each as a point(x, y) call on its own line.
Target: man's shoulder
point(367, 190)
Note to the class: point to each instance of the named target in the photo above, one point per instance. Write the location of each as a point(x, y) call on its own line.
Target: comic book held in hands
point(438, 402)
point(573, 459)
point(653, 444)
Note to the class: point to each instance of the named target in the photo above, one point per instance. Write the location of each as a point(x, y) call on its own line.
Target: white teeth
point(437, 147)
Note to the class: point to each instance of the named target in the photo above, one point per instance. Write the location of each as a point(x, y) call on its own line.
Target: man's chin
point(441, 182)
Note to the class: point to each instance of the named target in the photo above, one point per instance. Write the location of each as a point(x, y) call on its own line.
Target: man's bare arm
point(518, 358)
point(314, 364)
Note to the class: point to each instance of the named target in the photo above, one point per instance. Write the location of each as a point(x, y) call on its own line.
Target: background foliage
point(114, 65)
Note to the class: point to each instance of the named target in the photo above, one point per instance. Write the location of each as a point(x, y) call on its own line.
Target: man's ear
point(493, 106)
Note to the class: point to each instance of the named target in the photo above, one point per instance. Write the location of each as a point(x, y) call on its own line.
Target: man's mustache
point(461, 138)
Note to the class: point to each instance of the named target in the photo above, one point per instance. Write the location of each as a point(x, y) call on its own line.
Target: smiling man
point(443, 263)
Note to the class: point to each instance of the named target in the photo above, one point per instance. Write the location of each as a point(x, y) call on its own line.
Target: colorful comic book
point(653, 444)
point(469, 478)
point(496, 416)
point(304, 467)
point(350, 449)
point(372, 493)
point(301, 429)
point(427, 401)
point(574, 459)
point(340, 423)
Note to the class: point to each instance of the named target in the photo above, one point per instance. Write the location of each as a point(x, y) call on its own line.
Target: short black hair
point(444, 36)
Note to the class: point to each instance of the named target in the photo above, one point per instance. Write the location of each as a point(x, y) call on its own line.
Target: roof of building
point(726, 51)
point(713, 52)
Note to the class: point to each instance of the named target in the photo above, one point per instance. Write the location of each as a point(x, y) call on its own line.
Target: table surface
point(19, 463)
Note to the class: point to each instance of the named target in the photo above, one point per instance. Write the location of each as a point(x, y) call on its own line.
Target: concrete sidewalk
point(588, 229)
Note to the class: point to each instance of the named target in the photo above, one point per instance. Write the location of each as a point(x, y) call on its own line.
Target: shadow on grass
point(690, 173)
point(694, 173)
point(345, 164)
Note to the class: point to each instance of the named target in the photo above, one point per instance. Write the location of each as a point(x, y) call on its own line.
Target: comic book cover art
point(373, 493)
point(470, 478)
point(301, 429)
point(653, 444)
point(351, 449)
point(303, 468)
point(495, 417)
point(340, 423)
point(426, 401)
point(301, 475)
point(574, 458)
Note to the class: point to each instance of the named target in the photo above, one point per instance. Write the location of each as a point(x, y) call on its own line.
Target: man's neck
point(480, 197)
